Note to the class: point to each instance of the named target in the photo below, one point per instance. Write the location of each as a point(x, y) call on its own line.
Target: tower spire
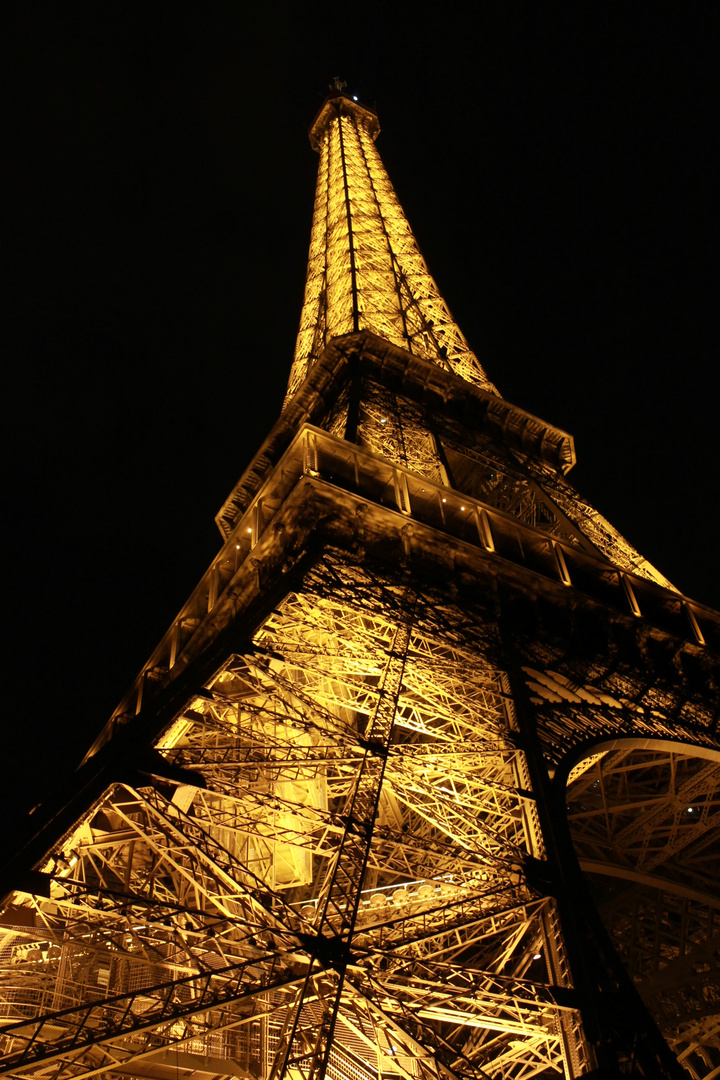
point(365, 270)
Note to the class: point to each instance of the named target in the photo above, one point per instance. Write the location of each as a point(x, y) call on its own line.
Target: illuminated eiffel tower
point(338, 826)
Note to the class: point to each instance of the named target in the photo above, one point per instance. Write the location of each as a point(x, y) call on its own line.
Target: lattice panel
point(646, 827)
point(348, 871)
point(365, 271)
point(604, 536)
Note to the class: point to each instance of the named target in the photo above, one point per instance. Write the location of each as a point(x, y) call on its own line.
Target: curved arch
point(590, 866)
point(643, 815)
point(602, 744)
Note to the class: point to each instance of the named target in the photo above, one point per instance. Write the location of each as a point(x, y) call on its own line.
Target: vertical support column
point(310, 456)
point(213, 588)
point(442, 462)
point(174, 639)
point(575, 1052)
point(531, 773)
point(562, 569)
point(630, 595)
point(141, 687)
point(402, 492)
point(482, 524)
point(351, 238)
point(615, 1026)
point(305, 1046)
point(353, 414)
point(256, 522)
point(694, 625)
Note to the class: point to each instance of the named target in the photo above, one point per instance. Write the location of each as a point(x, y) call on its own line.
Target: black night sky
point(558, 172)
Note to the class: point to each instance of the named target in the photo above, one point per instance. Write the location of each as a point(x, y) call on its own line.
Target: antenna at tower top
point(337, 84)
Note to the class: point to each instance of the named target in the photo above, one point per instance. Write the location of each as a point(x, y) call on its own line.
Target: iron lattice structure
point(365, 271)
point(339, 823)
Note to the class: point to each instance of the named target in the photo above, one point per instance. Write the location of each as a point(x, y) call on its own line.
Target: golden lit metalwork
point(325, 832)
point(365, 271)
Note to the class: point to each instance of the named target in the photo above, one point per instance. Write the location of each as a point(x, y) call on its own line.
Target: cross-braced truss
point(338, 847)
point(646, 827)
point(365, 271)
point(341, 887)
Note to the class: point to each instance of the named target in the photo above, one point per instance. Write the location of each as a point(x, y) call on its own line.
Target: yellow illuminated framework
point(365, 271)
point(329, 830)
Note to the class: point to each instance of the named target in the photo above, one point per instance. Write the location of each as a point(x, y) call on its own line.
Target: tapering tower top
point(365, 271)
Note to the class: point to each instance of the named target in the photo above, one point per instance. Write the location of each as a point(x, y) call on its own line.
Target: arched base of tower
point(645, 825)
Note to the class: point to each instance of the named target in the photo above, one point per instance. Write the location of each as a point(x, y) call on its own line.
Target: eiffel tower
point(422, 782)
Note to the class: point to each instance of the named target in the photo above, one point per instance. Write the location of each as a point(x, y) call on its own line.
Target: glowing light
point(387, 254)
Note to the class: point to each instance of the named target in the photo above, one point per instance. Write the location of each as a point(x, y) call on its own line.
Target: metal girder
point(365, 270)
point(646, 826)
point(357, 840)
point(338, 846)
